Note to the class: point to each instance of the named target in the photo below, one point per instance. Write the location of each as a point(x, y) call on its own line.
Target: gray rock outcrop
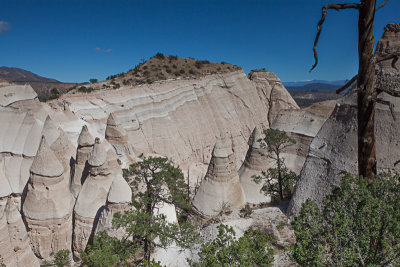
point(48, 205)
point(221, 185)
point(333, 151)
point(255, 162)
point(387, 76)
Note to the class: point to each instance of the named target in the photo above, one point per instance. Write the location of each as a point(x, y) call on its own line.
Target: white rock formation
point(14, 241)
point(118, 138)
point(255, 162)
point(80, 169)
point(61, 146)
point(19, 140)
point(272, 92)
point(221, 185)
point(118, 201)
point(180, 119)
point(92, 198)
point(302, 126)
point(48, 205)
point(11, 93)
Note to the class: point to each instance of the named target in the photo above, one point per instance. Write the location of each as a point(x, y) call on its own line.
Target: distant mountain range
point(307, 92)
point(313, 87)
point(41, 85)
point(20, 75)
point(302, 83)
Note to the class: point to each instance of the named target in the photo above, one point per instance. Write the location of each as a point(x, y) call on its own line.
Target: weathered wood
point(367, 91)
point(347, 85)
point(381, 5)
point(319, 26)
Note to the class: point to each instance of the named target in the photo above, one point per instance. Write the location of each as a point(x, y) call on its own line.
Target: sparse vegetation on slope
point(161, 67)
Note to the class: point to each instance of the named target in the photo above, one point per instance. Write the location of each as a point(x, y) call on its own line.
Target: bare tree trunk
point(280, 177)
point(367, 91)
point(149, 212)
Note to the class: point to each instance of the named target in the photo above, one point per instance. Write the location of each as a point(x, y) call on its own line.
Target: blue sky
point(73, 41)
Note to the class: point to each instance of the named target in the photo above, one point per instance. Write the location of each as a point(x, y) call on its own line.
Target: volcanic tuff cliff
point(179, 119)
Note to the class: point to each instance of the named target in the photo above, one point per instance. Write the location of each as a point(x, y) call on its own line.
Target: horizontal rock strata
point(180, 119)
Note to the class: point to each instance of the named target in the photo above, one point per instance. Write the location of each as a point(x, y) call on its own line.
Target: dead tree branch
point(337, 7)
point(381, 5)
point(347, 85)
point(387, 103)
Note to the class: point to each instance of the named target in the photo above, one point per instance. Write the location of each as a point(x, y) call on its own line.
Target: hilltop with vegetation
point(162, 67)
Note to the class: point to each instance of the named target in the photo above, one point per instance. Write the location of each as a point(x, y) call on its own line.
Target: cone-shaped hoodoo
point(221, 185)
point(92, 198)
point(118, 200)
point(255, 162)
point(118, 138)
point(85, 138)
point(114, 128)
point(81, 169)
point(14, 246)
point(98, 155)
point(45, 162)
point(50, 130)
point(48, 204)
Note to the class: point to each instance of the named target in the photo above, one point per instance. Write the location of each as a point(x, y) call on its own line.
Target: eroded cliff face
point(302, 126)
point(181, 119)
point(333, 151)
point(271, 91)
point(255, 162)
point(178, 119)
point(15, 246)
